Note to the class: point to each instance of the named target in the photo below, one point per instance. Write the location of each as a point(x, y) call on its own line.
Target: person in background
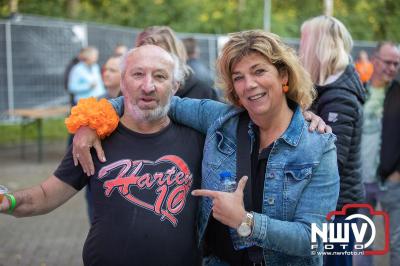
point(293, 179)
point(193, 52)
point(85, 78)
point(325, 47)
point(380, 146)
point(67, 72)
point(364, 67)
point(112, 76)
point(164, 36)
point(120, 50)
point(85, 81)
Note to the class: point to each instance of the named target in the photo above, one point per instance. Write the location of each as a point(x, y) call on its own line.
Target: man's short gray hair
point(178, 73)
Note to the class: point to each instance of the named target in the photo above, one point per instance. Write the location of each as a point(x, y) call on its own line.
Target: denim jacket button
point(271, 201)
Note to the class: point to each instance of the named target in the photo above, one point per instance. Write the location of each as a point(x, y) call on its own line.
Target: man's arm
point(40, 199)
point(316, 123)
point(198, 114)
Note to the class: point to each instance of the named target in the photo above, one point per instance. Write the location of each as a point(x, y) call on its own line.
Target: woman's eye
point(259, 71)
point(237, 78)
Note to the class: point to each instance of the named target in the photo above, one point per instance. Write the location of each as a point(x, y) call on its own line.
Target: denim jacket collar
point(293, 133)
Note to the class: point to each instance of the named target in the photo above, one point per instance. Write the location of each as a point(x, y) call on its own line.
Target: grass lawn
point(53, 129)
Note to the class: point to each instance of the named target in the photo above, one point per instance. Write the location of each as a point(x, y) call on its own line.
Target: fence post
point(10, 78)
point(212, 54)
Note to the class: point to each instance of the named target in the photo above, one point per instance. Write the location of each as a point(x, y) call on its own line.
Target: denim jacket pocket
point(225, 149)
point(296, 179)
point(298, 173)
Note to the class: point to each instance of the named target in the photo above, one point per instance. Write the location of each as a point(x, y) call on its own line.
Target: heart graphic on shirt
point(173, 185)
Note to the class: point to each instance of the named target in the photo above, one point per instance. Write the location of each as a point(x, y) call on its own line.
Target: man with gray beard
point(142, 210)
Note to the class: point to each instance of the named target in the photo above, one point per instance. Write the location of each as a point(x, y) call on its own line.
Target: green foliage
point(290, 14)
point(366, 20)
point(53, 129)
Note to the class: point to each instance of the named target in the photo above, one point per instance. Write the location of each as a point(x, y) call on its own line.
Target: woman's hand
point(228, 208)
point(84, 139)
point(316, 122)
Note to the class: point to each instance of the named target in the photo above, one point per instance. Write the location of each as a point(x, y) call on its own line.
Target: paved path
point(53, 239)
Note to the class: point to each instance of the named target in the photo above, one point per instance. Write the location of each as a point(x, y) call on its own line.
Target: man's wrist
point(12, 203)
point(98, 115)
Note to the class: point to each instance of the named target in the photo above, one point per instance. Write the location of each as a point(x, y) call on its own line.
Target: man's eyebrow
point(136, 68)
point(161, 69)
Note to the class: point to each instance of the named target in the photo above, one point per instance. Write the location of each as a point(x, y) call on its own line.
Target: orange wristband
point(98, 115)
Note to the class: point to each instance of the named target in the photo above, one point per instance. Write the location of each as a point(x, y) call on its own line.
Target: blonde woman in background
point(325, 47)
point(165, 37)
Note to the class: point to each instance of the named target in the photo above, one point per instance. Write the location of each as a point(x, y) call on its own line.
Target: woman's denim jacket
point(301, 181)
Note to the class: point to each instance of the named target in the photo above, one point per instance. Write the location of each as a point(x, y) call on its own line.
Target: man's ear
point(121, 85)
point(175, 86)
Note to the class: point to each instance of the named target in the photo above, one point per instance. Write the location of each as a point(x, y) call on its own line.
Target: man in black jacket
point(380, 147)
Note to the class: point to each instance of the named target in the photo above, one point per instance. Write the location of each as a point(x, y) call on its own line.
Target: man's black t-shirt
point(142, 207)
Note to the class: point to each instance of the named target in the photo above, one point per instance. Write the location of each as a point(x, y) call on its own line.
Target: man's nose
point(149, 85)
point(394, 66)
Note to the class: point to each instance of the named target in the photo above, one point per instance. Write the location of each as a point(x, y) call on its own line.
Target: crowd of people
point(299, 135)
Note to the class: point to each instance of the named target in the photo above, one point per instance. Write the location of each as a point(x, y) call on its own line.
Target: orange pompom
point(98, 115)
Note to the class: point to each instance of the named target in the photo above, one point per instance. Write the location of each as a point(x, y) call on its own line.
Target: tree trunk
point(13, 4)
point(240, 8)
point(73, 7)
point(328, 7)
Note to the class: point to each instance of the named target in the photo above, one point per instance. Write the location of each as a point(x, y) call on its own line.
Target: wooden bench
point(36, 116)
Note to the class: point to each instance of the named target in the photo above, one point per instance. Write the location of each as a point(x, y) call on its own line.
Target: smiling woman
point(264, 136)
point(258, 86)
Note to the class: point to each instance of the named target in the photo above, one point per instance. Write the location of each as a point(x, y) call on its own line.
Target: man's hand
point(84, 139)
point(316, 122)
point(228, 208)
point(394, 177)
point(4, 204)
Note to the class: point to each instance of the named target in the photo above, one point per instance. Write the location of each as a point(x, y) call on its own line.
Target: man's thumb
point(99, 151)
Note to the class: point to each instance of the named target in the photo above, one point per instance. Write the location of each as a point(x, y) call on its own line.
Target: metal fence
point(34, 52)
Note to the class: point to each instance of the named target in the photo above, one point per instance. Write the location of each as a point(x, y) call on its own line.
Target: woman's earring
point(285, 88)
